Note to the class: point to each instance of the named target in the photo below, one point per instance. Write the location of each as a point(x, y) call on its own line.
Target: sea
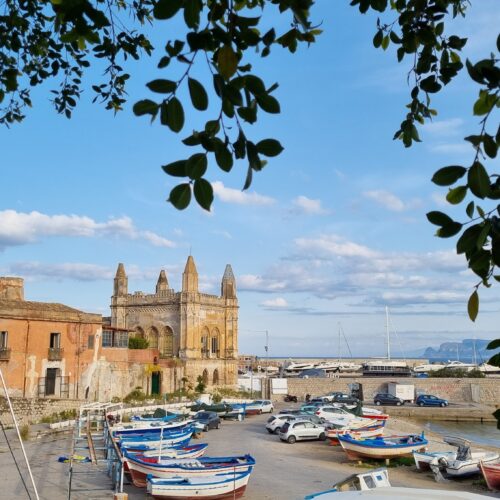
point(486, 433)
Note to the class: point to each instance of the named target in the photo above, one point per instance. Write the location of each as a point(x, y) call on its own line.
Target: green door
point(155, 383)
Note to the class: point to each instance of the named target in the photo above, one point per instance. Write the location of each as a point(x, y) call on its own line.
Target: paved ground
point(283, 471)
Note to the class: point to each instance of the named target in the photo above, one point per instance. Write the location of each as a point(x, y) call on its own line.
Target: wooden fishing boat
point(491, 473)
point(382, 447)
point(377, 478)
point(371, 431)
point(165, 453)
point(146, 443)
point(213, 487)
point(168, 468)
point(141, 428)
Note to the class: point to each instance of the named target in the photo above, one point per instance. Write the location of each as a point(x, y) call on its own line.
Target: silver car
point(300, 430)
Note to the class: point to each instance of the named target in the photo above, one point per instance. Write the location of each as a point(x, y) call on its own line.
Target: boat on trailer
point(382, 447)
point(463, 462)
point(491, 474)
point(231, 485)
point(141, 467)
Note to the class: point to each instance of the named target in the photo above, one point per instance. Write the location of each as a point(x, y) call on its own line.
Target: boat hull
point(469, 467)
point(333, 434)
point(491, 473)
point(139, 470)
point(217, 490)
point(423, 460)
point(381, 448)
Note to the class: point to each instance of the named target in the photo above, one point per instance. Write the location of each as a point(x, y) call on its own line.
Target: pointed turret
point(190, 276)
point(228, 285)
point(162, 283)
point(121, 281)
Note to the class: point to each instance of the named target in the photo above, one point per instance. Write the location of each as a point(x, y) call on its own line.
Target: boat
point(140, 467)
point(464, 463)
point(371, 431)
point(149, 442)
point(298, 367)
point(458, 365)
point(397, 493)
point(377, 478)
point(231, 485)
point(491, 474)
point(486, 368)
point(382, 447)
point(429, 367)
point(364, 411)
point(190, 451)
point(423, 459)
point(142, 428)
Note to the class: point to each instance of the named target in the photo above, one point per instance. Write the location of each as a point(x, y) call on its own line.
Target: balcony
point(4, 353)
point(56, 353)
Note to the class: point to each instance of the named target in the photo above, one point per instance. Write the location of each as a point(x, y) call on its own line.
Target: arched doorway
point(205, 376)
point(215, 378)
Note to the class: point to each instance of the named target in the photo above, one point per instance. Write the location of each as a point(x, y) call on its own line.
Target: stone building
point(189, 333)
point(46, 349)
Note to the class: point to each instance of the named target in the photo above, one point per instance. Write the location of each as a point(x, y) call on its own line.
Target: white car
point(334, 412)
point(301, 429)
point(275, 422)
point(265, 405)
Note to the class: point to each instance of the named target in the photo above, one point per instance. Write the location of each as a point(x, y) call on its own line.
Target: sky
point(330, 233)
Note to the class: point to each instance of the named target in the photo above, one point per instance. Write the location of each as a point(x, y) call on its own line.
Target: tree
point(43, 39)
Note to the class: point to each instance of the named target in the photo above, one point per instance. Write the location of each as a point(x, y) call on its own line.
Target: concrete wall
point(30, 411)
point(485, 391)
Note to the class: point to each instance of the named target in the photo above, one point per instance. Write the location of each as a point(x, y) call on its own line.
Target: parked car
point(276, 422)
point(320, 399)
point(331, 395)
point(429, 400)
point(290, 411)
point(385, 398)
point(265, 405)
point(300, 430)
point(209, 419)
point(328, 412)
point(310, 409)
point(344, 398)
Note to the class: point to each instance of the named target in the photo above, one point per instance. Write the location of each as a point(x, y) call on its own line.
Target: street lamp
point(266, 348)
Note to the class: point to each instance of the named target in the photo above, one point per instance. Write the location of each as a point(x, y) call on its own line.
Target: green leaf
point(145, 107)
point(255, 85)
point(439, 218)
point(180, 196)
point(468, 241)
point(204, 193)
point(473, 305)
point(485, 103)
point(268, 103)
point(198, 95)
point(162, 86)
point(470, 209)
point(430, 85)
point(456, 195)
point(196, 165)
point(224, 158)
point(176, 168)
point(377, 39)
point(192, 10)
point(269, 147)
point(447, 176)
point(227, 62)
point(478, 180)
point(385, 42)
point(449, 230)
point(175, 115)
point(495, 361)
point(494, 344)
point(490, 146)
point(165, 9)
point(481, 239)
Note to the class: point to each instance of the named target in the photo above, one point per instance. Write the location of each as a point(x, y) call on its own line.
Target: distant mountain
point(468, 350)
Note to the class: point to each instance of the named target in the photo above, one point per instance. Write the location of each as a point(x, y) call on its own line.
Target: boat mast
point(339, 340)
point(388, 336)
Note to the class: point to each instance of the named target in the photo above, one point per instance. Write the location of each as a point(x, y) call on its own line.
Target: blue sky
point(330, 232)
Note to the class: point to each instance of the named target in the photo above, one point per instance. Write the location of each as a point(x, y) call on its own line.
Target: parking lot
point(283, 471)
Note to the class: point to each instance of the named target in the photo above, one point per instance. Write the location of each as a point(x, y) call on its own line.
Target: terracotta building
point(45, 348)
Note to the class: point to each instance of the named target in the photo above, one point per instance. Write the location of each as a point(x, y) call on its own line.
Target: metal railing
point(55, 353)
point(4, 353)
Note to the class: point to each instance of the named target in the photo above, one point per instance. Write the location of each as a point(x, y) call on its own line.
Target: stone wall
point(456, 390)
point(30, 411)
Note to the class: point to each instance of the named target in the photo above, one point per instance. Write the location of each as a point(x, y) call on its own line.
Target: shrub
point(200, 386)
point(456, 373)
point(137, 395)
point(138, 343)
point(25, 432)
point(216, 397)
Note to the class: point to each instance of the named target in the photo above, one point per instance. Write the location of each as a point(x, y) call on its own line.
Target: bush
point(216, 397)
point(25, 432)
point(200, 386)
point(456, 373)
point(138, 343)
point(137, 395)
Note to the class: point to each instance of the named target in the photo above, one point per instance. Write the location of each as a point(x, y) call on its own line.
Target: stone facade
point(190, 333)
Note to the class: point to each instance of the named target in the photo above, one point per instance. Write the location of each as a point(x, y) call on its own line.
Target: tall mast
point(339, 340)
point(387, 332)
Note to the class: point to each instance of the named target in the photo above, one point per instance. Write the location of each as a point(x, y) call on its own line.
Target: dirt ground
point(283, 471)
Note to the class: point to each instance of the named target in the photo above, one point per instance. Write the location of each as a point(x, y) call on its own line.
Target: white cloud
point(443, 128)
point(309, 206)
point(18, 228)
point(230, 195)
point(390, 201)
point(277, 303)
point(452, 148)
point(334, 245)
point(440, 199)
point(224, 234)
